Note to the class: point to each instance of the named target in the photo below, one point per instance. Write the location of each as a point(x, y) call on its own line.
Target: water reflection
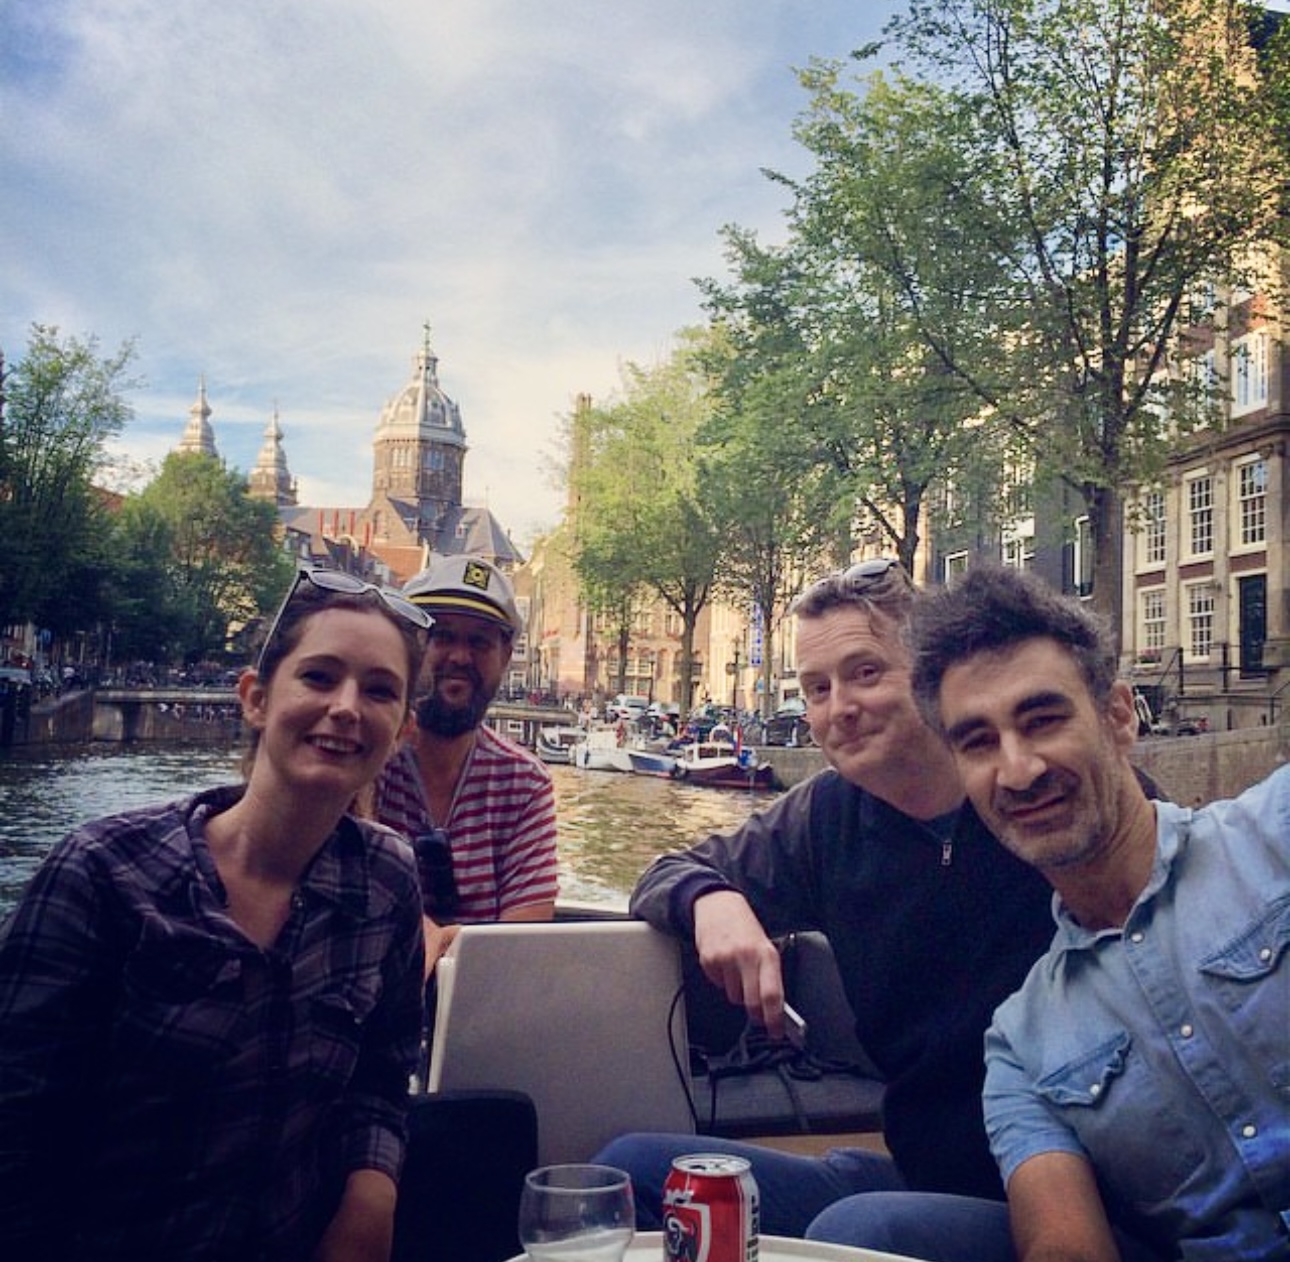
point(610, 825)
point(46, 791)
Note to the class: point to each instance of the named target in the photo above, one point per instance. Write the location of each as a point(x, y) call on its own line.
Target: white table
point(648, 1247)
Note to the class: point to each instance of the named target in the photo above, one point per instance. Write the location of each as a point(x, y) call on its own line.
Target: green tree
point(61, 404)
point(779, 506)
point(220, 566)
point(642, 529)
point(879, 267)
point(1110, 161)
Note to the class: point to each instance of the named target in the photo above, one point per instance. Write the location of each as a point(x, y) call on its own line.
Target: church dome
point(421, 411)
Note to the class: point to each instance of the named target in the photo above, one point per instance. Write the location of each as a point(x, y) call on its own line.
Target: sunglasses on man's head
point(346, 584)
point(865, 574)
point(856, 579)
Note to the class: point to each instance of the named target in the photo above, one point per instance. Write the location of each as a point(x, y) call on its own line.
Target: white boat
point(601, 750)
point(555, 744)
point(652, 762)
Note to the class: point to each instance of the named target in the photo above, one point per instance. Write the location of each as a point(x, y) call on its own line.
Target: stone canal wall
point(1190, 769)
point(118, 716)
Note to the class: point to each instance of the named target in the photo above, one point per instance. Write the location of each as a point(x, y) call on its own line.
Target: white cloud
point(276, 196)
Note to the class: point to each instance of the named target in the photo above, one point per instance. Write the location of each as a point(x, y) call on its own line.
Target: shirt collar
point(1173, 829)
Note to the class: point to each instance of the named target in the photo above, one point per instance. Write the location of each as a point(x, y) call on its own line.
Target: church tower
point(271, 479)
point(420, 447)
point(199, 437)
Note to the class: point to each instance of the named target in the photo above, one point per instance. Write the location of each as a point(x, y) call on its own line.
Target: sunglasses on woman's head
point(346, 584)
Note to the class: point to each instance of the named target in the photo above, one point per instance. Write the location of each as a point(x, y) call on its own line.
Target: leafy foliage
point(62, 402)
point(642, 528)
point(199, 556)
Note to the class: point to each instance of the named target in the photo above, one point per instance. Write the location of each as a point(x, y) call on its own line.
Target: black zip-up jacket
point(930, 936)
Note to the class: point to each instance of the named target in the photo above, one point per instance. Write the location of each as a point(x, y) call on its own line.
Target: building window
point(1252, 502)
point(955, 563)
point(1018, 488)
point(1153, 534)
point(1200, 516)
point(1200, 618)
point(1152, 641)
point(1202, 375)
point(1082, 558)
point(1249, 372)
point(1019, 551)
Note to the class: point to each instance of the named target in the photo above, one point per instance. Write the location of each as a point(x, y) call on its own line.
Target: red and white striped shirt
point(501, 827)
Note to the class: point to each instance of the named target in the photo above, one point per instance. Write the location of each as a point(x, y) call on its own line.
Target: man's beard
point(439, 718)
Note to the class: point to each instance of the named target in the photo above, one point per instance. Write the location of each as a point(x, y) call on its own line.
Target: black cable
point(682, 1071)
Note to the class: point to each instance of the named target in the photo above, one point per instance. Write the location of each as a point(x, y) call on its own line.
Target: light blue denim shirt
point(1161, 1051)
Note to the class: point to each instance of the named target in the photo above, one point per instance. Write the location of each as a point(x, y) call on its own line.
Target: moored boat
point(555, 744)
point(652, 762)
point(602, 749)
point(721, 765)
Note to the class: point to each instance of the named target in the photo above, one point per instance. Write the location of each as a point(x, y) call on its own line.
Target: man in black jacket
point(932, 923)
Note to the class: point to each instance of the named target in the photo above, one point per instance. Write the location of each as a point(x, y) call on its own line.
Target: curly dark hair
point(991, 608)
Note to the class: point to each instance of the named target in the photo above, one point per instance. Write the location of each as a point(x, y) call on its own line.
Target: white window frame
point(1018, 545)
point(1200, 620)
point(1082, 556)
point(1250, 518)
point(1152, 622)
point(1199, 509)
point(1250, 372)
point(953, 564)
point(1154, 535)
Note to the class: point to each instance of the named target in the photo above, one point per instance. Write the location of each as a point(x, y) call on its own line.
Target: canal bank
point(1190, 769)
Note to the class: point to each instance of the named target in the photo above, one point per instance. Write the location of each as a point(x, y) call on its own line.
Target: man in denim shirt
point(1139, 1083)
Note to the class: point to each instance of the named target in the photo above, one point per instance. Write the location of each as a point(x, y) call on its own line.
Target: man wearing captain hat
point(479, 809)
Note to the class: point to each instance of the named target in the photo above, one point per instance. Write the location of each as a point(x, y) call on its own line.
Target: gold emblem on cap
point(476, 575)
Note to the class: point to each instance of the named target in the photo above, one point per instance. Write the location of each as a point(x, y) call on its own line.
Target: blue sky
point(277, 196)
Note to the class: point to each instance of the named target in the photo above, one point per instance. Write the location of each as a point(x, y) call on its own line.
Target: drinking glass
point(577, 1213)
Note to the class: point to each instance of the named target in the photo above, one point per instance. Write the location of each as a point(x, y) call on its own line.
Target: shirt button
point(1095, 1090)
point(1186, 1031)
point(1249, 1130)
point(1136, 936)
point(1265, 954)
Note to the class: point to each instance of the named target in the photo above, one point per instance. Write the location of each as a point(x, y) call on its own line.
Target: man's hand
point(438, 939)
point(362, 1229)
point(737, 956)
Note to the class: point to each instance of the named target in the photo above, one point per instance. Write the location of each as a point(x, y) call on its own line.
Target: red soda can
point(711, 1211)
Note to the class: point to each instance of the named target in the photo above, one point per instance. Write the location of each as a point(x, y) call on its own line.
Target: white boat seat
point(583, 1017)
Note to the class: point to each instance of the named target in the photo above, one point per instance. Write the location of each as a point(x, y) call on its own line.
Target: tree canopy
point(642, 526)
point(62, 402)
point(199, 559)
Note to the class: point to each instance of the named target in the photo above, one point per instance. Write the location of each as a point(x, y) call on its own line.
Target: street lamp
point(732, 669)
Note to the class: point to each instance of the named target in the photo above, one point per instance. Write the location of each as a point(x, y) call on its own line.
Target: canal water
point(610, 825)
